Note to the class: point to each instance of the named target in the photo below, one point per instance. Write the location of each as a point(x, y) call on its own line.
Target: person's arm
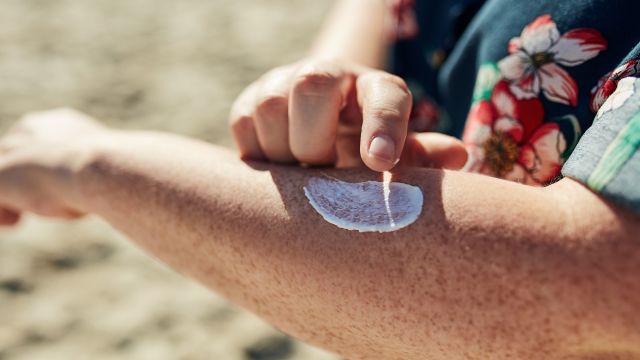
point(354, 32)
point(491, 269)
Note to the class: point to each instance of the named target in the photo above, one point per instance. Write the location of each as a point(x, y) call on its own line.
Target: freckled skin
point(490, 270)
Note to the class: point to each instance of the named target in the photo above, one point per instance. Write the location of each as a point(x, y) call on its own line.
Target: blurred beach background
point(80, 290)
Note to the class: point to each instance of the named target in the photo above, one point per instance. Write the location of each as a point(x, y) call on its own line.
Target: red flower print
point(506, 138)
point(609, 83)
point(424, 115)
point(401, 20)
point(535, 58)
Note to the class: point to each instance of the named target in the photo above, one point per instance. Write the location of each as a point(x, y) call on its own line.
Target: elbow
point(597, 288)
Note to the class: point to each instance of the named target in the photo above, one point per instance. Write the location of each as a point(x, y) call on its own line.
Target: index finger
point(317, 94)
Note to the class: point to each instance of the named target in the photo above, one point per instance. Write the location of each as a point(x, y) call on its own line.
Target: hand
point(39, 158)
point(335, 113)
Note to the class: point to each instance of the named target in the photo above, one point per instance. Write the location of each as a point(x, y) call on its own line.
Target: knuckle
point(241, 124)
point(236, 114)
point(317, 77)
point(241, 105)
point(386, 79)
point(396, 81)
point(386, 113)
point(269, 104)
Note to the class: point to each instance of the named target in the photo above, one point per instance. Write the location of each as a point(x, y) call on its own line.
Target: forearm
point(353, 32)
point(489, 264)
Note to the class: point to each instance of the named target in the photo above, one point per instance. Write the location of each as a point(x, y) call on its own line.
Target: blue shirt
point(537, 90)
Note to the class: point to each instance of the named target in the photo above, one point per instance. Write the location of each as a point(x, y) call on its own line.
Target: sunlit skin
point(478, 275)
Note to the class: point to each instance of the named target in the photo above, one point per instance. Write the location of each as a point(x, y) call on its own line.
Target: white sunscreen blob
point(365, 206)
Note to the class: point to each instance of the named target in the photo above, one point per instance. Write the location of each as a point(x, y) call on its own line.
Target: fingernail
point(383, 148)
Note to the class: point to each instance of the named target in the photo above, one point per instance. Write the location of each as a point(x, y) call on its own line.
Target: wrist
point(90, 159)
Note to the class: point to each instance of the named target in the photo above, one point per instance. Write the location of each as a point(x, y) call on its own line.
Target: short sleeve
point(606, 158)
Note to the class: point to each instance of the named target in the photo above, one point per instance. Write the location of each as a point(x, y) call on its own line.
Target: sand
point(80, 290)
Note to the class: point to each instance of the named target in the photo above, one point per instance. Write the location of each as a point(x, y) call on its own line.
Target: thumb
point(434, 150)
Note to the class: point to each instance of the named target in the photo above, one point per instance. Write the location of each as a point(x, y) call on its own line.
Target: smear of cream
point(365, 206)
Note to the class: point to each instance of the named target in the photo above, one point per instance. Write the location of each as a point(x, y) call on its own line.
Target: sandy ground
point(80, 290)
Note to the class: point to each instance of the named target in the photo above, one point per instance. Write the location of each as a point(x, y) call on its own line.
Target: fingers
point(259, 119)
point(300, 113)
point(386, 104)
point(434, 150)
point(271, 115)
point(242, 125)
point(348, 151)
point(318, 94)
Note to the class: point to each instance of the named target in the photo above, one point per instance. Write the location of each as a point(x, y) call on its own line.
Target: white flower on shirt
point(535, 58)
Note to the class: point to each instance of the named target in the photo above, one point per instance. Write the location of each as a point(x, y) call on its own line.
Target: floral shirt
point(537, 90)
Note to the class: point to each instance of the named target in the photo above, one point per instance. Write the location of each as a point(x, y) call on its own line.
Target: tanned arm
point(354, 32)
point(491, 269)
